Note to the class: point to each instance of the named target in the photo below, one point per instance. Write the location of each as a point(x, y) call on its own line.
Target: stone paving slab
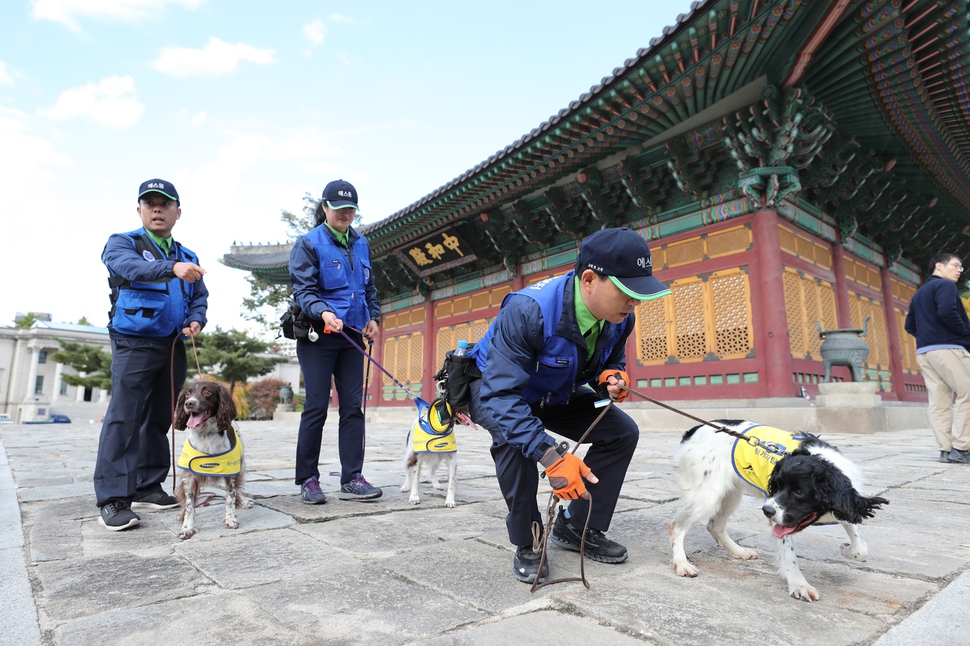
point(389, 572)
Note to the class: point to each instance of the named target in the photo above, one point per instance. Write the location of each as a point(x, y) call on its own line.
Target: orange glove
point(566, 477)
point(604, 382)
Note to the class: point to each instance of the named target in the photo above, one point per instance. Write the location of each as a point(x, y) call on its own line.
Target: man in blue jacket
point(549, 343)
point(938, 320)
point(157, 295)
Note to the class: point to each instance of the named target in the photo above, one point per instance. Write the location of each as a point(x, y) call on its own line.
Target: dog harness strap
point(221, 465)
point(755, 462)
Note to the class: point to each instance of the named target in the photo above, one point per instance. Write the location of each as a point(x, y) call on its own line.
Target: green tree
point(264, 297)
point(26, 320)
point(230, 355)
point(83, 321)
point(92, 363)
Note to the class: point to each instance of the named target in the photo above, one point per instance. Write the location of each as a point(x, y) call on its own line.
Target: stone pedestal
point(850, 407)
point(285, 413)
point(848, 394)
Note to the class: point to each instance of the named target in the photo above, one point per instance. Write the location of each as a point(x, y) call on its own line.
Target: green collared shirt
point(165, 244)
point(342, 238)
point(589, 325)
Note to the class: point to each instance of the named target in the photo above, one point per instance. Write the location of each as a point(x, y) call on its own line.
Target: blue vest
point(155, 309)
point(343, 286)
point(561, 366)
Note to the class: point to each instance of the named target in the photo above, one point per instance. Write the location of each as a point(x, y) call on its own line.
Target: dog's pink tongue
point(782, 531)
point(197, 418)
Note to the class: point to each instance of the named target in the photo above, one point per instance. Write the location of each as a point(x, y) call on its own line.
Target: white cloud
point(216, 59)
point(5, 77)
point(198, 119)
point(66, 12)
point(112, 102)
point(336, 17)
point(315, 31)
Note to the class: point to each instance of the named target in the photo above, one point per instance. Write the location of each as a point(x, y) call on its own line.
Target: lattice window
point(808, 300)
point(403, 358)
point(804, 247)
point(732, 316)
point(690, 313)
point(786, 238)
point(793, 311)
point(685, 253)
point(823, 257)
point(404, 318)
point(723, 243)
point(703, 318)
point(907, 344)
point(652, 346)
point(449, 336)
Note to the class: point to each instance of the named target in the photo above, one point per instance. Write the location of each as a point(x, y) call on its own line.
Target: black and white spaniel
point(804, 479)
point(212, 454)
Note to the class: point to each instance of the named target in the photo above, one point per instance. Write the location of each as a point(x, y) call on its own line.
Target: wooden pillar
point(841, 285)
point(372, 394)
point(769, 304)
point(892, 334)
point(430, 354)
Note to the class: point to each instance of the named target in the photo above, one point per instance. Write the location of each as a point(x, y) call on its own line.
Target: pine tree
point(91, 362)
point(230, 355)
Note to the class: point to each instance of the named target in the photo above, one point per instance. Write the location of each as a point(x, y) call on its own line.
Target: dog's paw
point(436, 484)
point(232, 523)
point(685, 569)
point(744, 554)
point(804, 592)
point(856, 553)
point(188, 532)
point(414, 500)
point(450, 502)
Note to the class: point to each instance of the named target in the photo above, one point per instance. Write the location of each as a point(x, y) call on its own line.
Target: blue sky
point(247, 106)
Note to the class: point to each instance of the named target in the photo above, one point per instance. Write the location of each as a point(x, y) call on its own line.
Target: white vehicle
point(5, 418)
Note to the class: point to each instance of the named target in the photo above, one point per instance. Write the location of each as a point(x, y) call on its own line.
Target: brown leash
point(753, 440)
point(550, 519)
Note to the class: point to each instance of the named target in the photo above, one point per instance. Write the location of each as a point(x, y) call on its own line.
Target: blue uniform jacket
point(534, 354)
point(147, 299)
point(937, 316)
point(328, 277)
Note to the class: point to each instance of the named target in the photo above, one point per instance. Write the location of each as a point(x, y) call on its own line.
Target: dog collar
point(221, 465)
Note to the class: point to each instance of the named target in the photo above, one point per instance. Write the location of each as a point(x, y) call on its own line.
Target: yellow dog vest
point(424, 442)
point(754, 463)
point(221, 465)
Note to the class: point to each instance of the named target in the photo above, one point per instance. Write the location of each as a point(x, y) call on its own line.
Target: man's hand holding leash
point(613, 383)
point(566, 473)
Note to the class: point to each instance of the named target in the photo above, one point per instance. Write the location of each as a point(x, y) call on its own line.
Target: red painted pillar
point(430, 353)
point(769, 305)
point(841, 285)
point(376, 376)
point(892, 337)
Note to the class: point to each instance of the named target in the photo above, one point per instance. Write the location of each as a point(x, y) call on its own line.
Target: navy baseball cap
point(339, 194)
point(624, 256)
point(159, 186)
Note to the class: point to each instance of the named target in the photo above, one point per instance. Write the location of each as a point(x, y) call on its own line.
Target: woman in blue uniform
point(330, 270)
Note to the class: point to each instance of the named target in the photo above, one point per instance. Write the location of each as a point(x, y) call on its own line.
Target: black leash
point(753, 440)
point(550, 518)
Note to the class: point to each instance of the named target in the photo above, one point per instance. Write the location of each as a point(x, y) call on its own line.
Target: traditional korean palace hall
point(794, 164)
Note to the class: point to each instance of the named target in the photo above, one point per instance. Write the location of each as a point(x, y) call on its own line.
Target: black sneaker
point(525, 565)
point(116, 516)
point(598, 547)
point(944, 455)
point(956, 455)
point(359, 489)
point(154, 501)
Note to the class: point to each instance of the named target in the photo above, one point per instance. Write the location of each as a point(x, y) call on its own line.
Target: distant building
point(31, 383)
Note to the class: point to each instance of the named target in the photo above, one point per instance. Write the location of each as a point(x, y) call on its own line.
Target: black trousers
point(331, 356)
point(612, 444)
point(133, 450)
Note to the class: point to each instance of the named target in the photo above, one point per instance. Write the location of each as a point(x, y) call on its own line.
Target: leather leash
point(550, 519)
point(753, 440)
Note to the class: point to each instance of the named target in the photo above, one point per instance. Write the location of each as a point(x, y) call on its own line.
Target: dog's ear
point(835, 490)
point(227, 408)
point(181, 417)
